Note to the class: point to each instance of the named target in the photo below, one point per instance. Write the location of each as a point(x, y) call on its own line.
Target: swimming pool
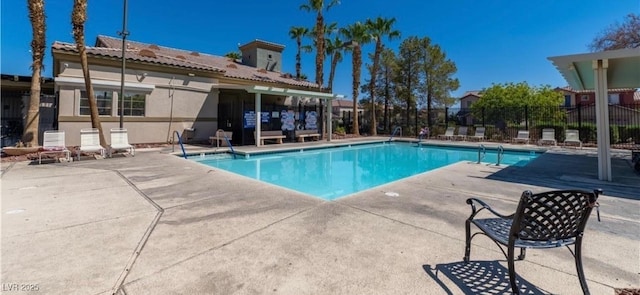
point(331, 173)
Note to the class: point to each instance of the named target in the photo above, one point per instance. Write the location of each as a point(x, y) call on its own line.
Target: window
point(614, 98)
point(585, 97)
point(103, 100)
point(134, 104)
point(567, 100)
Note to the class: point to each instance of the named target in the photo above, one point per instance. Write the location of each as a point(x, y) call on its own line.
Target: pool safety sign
point(249, 118)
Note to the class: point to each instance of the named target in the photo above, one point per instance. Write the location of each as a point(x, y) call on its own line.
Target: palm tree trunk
point(298, 57)
point(332, 72)
point(78, 18)
point(357, 63)
point(37, 17)
point(372, 86)
point(319, 48)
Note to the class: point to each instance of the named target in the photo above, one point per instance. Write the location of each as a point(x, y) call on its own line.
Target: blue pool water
point(331, 173)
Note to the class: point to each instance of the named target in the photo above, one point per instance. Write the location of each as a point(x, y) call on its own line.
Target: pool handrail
point(224, 135)
point(175, 132)
point(482, 152)
point(395, 130)
point(500, 154)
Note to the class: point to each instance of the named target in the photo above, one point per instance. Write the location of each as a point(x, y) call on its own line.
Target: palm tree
point(378, 29)
point(317, 6)
point(78, 18)
point(358, 34)
point(36, 15)
point(297, 33)
point(334, 50)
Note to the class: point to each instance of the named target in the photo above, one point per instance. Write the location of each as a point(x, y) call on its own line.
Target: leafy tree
point(384, 85)
point(438, 80)
point(234, 55)
point(297, 33)
point(378, 29)
point(318, 6)
point(78, 19)
point(37, 17)
point(618, 36)
point(357, 33)
point(512, 103)
point(408, 75)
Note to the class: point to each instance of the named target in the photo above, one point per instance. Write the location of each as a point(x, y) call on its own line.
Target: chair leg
point(512, 269)
point(523, 253)
point(467, 246)
point(578, 257)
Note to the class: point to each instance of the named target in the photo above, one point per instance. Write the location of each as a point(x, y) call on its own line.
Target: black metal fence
point(502, 124)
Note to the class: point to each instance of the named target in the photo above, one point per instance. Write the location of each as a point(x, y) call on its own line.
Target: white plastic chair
point(572, 136)
point(523, 135)
point(53, 143)
point(120, 141)
point(479, 135)
point(548, 135)
point(462, 133)
point(448, 134)
point(90, 142)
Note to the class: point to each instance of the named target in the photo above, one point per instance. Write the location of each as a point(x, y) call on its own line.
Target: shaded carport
point(601, 71)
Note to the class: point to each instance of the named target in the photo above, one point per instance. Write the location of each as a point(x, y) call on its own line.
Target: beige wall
point(176, 102)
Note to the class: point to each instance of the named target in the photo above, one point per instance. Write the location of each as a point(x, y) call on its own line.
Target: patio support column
point(602, 118)
point(258, 117)
point(329, 117)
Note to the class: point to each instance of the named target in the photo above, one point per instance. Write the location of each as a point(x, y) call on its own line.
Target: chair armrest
point(483, 205)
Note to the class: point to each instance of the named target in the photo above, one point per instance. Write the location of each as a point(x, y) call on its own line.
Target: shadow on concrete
point(478, 277)
point(571, 171)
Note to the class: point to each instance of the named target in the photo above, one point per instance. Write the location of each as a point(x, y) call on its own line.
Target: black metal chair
point(545, 220)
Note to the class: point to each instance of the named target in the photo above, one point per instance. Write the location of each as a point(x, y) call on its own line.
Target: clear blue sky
point(490, 41)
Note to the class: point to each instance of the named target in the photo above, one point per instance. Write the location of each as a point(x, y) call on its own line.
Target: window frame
point(130, 96)
point(106, 106)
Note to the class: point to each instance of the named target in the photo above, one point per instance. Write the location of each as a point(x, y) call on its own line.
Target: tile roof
point(150, 53)
point(474, 93)
point(341, 103)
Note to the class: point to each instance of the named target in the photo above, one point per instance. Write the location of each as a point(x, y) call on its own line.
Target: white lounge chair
point(548, 135)
point(462, 133)
point(479, 135)
point(448, 134)
point(53, 143)
point(120, 141)
point(572, 136)
point(90, 142)
point(523, 136)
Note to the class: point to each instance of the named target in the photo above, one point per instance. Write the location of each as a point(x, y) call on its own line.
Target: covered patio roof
point(258, 90)
point(600, 71)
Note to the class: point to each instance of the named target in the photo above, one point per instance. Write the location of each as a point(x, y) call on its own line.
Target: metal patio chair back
point(545, 220)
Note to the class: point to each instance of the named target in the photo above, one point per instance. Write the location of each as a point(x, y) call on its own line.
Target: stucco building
point(168, 89)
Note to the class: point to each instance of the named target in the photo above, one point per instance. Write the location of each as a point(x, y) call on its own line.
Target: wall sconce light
point(66, 65)
point(141, 77)
point(191, 75)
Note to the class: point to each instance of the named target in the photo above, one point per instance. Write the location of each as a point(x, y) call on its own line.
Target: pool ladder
point(482, 151)
point(395, 132)
point(500, 155)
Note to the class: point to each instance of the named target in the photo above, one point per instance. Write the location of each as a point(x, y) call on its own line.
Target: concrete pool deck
point(157, 224)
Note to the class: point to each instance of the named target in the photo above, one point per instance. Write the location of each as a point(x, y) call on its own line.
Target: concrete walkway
point(159, 224)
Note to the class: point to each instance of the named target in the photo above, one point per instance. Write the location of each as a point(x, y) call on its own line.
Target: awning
point(601, 71)
point(280, 91)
